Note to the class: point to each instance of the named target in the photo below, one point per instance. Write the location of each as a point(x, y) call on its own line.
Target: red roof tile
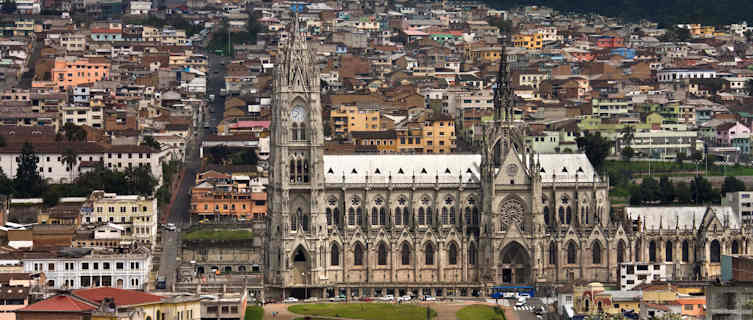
point(60, 303)
point(122, 297)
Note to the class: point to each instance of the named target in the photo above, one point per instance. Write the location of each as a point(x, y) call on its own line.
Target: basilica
point(454, 224)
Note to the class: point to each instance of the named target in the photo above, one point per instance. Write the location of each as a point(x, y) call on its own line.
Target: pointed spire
point(503, 95)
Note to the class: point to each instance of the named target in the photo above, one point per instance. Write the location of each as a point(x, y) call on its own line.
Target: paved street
point(179, 211)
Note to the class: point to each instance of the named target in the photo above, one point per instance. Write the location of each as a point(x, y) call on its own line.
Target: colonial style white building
point(137, 215)
point(75, 268)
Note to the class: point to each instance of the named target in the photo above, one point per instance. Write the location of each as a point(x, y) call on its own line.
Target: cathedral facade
point(448, 224)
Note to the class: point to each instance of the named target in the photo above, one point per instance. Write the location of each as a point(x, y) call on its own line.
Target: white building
point(73, 41)
point(28, 6)
point(741, 203)
point(673, 75)
point(54, 170)
point(633, 274)
point(140, 7)
point(136, 215)
point(76, 268)
point(82, 115)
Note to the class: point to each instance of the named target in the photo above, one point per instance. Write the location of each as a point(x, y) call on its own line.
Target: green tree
point(628, 133)
point(6, 184)
point(139, 180)
point(70, 159)
point(649, 189)
point(701, 190)
point(627, 153)
point(682, 190)
point(732, 184)
point(666, 190)
point(150, 142)
point(74, 132)
point(636, 196)
point(28, 183)
point(50, 198)
point(596, 148)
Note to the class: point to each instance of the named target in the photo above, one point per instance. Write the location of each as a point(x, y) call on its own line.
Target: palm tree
point(70, 159)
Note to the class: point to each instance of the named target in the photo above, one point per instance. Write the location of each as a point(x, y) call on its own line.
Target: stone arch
point(514, 263)
point(669, 251)
point(429, 253)
point(301, 264)
point(334, 254)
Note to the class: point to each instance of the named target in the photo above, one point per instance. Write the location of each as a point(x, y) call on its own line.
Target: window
point(382, 254)
point(652, 251)
point(552, 253)
point(472, 254)
point(84, 266)
point(429, 254)
point(351, 216)
point(668, 251)
point(453, 254)
point(596, 253)
point(119, 265)
point(685, 251)
point(715, 251)
point(405, 254)
point(335, 255)
point(358, 255)
point(571, 253)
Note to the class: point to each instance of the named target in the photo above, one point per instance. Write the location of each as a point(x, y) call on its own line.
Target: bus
point(502, 292)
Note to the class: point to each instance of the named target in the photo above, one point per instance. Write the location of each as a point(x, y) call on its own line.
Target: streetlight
point(305, 285)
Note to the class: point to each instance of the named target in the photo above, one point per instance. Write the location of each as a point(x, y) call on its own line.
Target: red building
point(610, 42)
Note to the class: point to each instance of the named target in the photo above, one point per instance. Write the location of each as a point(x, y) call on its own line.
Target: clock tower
point(296, 225)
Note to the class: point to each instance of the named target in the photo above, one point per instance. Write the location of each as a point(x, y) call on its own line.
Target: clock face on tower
point(298, 114)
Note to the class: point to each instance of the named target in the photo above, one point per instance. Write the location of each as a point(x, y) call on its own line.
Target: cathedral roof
point(684, 218)
point(566, 168)
point(427, 168)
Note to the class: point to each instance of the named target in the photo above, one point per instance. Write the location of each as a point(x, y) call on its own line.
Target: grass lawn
point(369, 311)
point(219, 234)
point(254, 313)
point(480, 312)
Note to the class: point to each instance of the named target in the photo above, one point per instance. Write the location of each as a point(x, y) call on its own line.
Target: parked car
point(430, 298)
point(311, 299)
point(520, 303)
point(337, 298)
point(388, 297)
point(170, 227)
point(290, 300)
point(267, 301)
point(405, 298)
point(366, 299)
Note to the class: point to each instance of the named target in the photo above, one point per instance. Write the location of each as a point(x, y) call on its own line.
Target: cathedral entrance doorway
point(515, 265)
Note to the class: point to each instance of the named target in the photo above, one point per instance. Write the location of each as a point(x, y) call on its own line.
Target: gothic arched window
point(453, 218)
point(596, 253)
point(336, 215)
point(382, 216)
point(382, 254)
point(328, 212)
point(398, 216)
point(293, 222)
point(305, 170)
point(351, 216)
point(735, 247)
point(292, 171)
point(405, 254)
point(302, 132)
point(334, 256)
point(668, 251)
point(685, 251)
point(572, 252)
point(453, 254)
point(467, 215)
point(305, 221)
point(569, 215)
point(429, 216)
point(546, 215)
point(359, 216)
point(421, 216)
point(620, 251)
point(552, 253)
point(445, 215)
point(294, 131)
point(562, 215)
point(358, 255)
point(472, 254)
point(374, 216)
point(476, 216)
point(652, 251)
point(715, 251)
point(429, 254)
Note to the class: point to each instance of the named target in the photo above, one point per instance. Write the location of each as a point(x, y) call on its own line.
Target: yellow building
point(532, 41)
point(439, 134)
point(348, 118)
point(697, 30)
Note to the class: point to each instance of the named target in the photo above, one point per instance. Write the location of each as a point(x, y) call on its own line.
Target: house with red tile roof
point(111, 303)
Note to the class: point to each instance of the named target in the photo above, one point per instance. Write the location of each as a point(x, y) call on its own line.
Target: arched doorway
point(300, 265)
point(515, 264)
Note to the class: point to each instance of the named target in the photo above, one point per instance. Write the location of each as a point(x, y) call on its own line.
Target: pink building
point(728, 133)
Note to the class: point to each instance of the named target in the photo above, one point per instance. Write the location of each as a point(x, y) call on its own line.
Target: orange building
point(69, 72)
point(217, 194)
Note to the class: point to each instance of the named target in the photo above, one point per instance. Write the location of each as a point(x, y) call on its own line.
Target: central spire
point(503, 94)
point(297, 66)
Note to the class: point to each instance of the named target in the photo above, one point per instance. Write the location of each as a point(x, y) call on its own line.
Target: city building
point(741, 203)
point(135, 215)
point(638, 273)
point(218, 195)
point(348, 118)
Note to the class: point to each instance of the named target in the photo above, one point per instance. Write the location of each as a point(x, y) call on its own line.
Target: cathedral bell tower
point(295, 219)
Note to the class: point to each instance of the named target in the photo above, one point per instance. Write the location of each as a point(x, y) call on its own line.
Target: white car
point(404, 298)
point(430, 298)
point(290, 300)
point(388, 297)
point(520, 303)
